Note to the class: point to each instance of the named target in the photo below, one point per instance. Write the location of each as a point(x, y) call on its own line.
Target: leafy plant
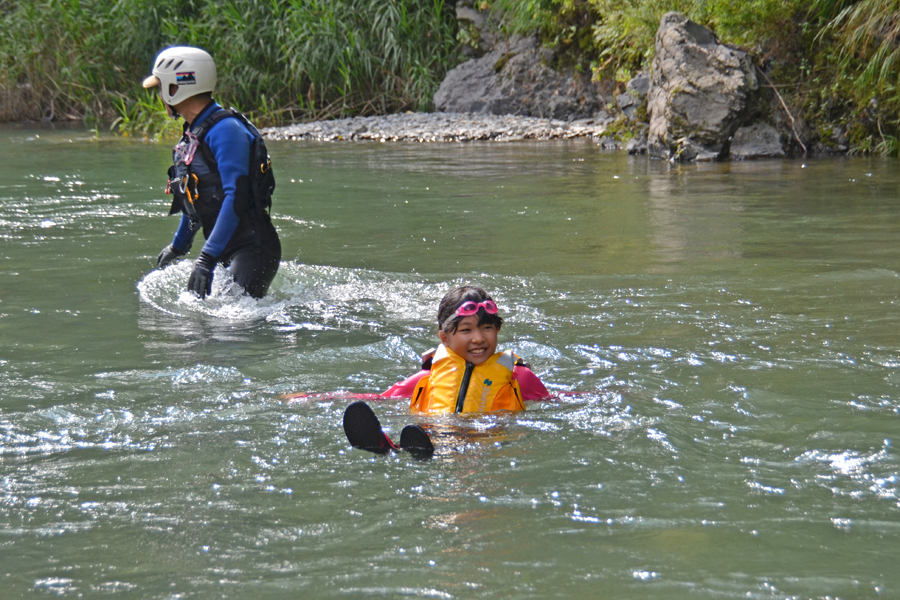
point(286, 60)
point(277, 59)
point(869, 31)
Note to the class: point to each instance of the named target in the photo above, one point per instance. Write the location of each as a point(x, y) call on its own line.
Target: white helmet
point(192, 70)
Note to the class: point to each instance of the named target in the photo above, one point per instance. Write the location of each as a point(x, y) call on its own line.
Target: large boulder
point(515, 78)
point(759, 140)
point(701, 92)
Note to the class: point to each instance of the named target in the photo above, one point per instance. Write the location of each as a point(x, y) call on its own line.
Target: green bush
point(279, 59)
point(832, 60)
point(622, 32)
point(868, 32)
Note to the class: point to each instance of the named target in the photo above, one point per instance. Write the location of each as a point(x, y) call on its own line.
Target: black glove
point(201, 277)
point(168, 254)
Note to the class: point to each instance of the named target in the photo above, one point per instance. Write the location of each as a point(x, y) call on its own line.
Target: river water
point(722, 342)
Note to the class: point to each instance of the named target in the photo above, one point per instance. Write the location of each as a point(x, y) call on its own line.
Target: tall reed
point(869, 33)
point(836, 61)
point(279, 59)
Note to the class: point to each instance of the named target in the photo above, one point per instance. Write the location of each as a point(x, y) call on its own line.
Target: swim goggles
point(467, 309)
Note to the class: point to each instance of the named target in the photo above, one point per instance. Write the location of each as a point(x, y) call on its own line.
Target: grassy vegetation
point(835, 62)
point(867, 33)
point(277, 59)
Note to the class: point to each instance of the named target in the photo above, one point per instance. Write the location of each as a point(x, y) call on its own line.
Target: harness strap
point(262, 183)
point(185, 186)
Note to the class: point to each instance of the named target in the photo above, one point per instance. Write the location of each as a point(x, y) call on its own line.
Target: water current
point(722, 342)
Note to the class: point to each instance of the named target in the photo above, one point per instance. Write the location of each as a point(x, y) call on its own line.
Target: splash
point(311, 297)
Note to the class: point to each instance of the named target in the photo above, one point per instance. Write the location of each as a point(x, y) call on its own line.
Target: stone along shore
point(444, 127)
point(702, 100)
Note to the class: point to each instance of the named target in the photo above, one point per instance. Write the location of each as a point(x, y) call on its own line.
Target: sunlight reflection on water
point(720, 341)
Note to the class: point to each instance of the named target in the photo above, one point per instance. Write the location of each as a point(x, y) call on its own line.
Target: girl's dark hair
point(447, 319)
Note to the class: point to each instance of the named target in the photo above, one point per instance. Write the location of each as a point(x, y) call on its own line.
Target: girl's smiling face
point(473, 342)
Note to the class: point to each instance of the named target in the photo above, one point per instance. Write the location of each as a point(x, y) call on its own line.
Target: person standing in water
point(221, 179)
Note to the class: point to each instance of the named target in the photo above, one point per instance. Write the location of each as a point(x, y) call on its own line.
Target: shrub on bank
point(279, 59)
point(836, 63)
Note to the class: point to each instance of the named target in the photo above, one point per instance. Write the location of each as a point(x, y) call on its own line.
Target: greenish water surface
point(721, 341)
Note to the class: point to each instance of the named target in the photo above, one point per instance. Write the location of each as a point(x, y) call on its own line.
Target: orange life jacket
point(457, 386)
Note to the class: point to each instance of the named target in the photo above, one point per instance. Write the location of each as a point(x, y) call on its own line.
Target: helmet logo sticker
point(185, 78)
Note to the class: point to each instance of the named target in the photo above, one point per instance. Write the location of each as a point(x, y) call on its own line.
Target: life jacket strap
point(464, 387)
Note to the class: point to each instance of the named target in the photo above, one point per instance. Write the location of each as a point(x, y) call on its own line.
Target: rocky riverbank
point(702, 100)
point(446, 127)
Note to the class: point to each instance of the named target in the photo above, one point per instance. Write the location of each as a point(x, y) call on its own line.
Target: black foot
point(415, 440)
point(363, 429)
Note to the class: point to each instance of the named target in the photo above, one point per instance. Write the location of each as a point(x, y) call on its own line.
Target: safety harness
point(185, 185)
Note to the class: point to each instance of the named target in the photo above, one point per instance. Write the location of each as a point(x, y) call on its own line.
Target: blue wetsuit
point(237, 236)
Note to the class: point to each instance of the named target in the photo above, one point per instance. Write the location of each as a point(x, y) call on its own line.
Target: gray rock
point(634, 97)
point(609, 143)
point(628, 104)
point(515, 78)
point(475, 29)
point(701, 92)
point(832, 140)
point(759, 140)
point(445, 127)
point(638, 86)
point(690, 150)
point(637, 145)
point(471, 87)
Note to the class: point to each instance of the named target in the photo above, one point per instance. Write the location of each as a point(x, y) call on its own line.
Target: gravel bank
point(444, 127)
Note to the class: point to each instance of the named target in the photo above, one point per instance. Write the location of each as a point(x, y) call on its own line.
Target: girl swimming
point(465, 374)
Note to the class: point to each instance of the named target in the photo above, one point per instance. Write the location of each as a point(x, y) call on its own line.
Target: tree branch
point(788, 112)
